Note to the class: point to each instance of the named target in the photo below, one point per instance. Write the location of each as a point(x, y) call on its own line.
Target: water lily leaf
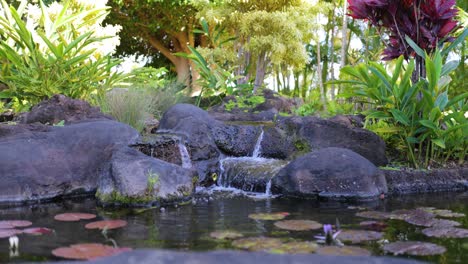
point(374, 215)
point(37, 231)
point(72, 217)
point(9, 232)
point(106, 224)
point(87, 251)
point(343, 251)
point(222, 235)
point(445, 232)
point(373, 225)
point(412, 215)
point(269, 216)
point(298, 225)
point(295, 248)
point(9, 224)
point(415, 248)
point(442, 212)
point(257, 243)
point(358, 236)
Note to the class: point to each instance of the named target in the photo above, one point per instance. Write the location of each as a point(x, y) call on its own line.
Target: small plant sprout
point(14, 246)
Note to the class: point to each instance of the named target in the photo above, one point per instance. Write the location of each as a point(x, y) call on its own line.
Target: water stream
point(184, 156)
point(258, 146)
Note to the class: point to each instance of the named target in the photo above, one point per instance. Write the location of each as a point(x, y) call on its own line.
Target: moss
point(302, 145)
point(116, 197)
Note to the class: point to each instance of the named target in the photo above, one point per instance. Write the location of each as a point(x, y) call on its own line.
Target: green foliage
point(64, 67)
point(419, 119)
point(153, 179)
point(243, 102)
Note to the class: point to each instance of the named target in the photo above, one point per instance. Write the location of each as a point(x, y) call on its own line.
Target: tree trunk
point(183, 71)
point(260, 71)
point(319, 74)
point(344, 34)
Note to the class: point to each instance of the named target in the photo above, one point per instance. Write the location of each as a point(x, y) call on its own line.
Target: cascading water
point(184, 156)
point(258, 146)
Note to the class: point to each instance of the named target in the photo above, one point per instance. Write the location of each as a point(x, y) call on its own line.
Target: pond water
point(187, 227)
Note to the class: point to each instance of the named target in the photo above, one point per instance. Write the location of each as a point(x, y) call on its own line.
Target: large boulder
point(40, 162)
point(137, 179)
point(299, 135)
point(332, 173)
point(236, 140)
point(61, 108)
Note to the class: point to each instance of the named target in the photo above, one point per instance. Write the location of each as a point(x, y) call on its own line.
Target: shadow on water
point(188, 227)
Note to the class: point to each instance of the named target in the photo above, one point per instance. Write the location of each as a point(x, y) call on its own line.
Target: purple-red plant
point(427, 22)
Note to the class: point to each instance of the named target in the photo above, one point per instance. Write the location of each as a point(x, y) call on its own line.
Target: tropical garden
point(394, 71)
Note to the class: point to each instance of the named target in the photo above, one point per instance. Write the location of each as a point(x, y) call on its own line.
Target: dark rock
point(137, 179)
point(161, 146)
point(239, 116)
point(277, 103)
point(60, 107)
point(147, 256)
point(236, 140)
point(418, 181)
point(311, 133)
point(7, 116)
point(40, 162)
point(330, 172)
point(349, 120)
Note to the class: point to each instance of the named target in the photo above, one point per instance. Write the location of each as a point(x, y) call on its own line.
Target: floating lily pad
point(9, 224)
point(415, 248)
point(222, 235)
point(9, 232)
point(411, 215)
point(295, 248)
point(374, 215)
point(373, 225)
point(269, 216)
point(106, 224)
point(37, 231)
point(446, 232)
point(257, 243)
point(73, 217)
point(358, 236)
point(442, 212)
point(343, 251)
point(87, 251)
point(298, 225)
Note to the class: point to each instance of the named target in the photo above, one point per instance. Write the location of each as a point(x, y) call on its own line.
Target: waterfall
point(184, 156)
point(258, 146)
point(268, 188)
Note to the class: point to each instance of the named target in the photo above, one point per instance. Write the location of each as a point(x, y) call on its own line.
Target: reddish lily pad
point(9, 224)
point(269, 216)
point(343, 251)
point(9, 232)
point(415, 248)
point(257, 243)
point(223, 235)
point(37, 231)
point(73, 217)
point(298, 225)
point(445, 232)
point(373, 225)
point(374, 215)
point(87, 251)
point(106, 224)
point(358, 236)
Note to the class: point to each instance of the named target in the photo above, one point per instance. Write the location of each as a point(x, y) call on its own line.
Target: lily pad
point(295, 248)
point(343, 251)
point(257, 243)
point(37, 231)
point(442, 212)
point(445, 232)
point(415, 248)
point(269, 216)
point(374, 215)
point(298, 225)
point(373, 225)
point(412, 215)
point(358, 236)
point(73, 217)
point(222, 235)
point(106, 224)
point(9, 232)
point(87, 251)
point(9, 224)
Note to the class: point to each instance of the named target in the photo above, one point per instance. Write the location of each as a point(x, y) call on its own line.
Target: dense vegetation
point(329, 53)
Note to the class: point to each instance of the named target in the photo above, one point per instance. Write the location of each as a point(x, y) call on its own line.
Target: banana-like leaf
point(400, 117)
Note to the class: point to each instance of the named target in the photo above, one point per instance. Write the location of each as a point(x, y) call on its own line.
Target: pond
point(188, 227)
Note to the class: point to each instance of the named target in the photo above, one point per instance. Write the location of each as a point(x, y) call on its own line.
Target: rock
point(151, 124)
point(237, 140)
point(40, 162)
point(138, 179)
point(7, 116)
point(161, 146)
point(311, 133)
point(277, 103)
point(330, 172)
point(58, 108)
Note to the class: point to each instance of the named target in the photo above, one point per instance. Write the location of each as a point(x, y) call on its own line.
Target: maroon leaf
point(87, 251)
point(37, 231)
point(106, 224)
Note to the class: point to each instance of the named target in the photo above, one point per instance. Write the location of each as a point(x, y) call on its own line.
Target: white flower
point(14, 242)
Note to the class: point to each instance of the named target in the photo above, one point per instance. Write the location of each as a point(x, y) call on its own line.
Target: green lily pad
point(358, 236)
point(374, 215)
point(415, 248)
point(443, 212)
point(257, 243)
point(268, 216)
point(445, 232)
point(298, 225)
point(295, 248)
point(422, 217)
point(223, 235)
point(343, 251)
